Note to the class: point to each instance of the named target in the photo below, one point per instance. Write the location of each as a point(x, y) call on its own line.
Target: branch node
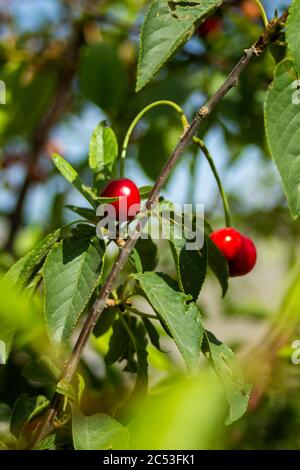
point(203, 112)
point(120, 242)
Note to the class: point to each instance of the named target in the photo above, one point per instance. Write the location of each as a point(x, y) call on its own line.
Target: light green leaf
point(41, 370)
point(98, 432)
point(7, 333)
point(65, 388)
point(20, 273)
point(228, 370)
point(282, 121)
point(167, 26)
point(71, 272)
point(181, 318)
point(24, 410)
point(103, 149)
point(71, 175)
point(292, 32)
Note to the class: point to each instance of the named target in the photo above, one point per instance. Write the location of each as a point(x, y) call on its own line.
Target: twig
point(99, 305)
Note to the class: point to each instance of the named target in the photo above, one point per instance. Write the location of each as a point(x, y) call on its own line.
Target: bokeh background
point(69, 64)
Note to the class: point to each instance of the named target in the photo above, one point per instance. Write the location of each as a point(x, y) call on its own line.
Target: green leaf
point(103, 78)
point(175, 310)
point(105, 321)
point(145, 191)
point(282, 121)
point(20, 273)
point(65, 388)
point(4, 411)
point(292, 32)
point(98, 432)
point(103, 149)
point(217, 264)
point(118, 343)
point(71, 273)
point(191, 264)
point(167, 26)
point(128, 342)
point(24, 410)
point(228, 370)
point(48, 443)
point(139, 332)
point(7, 334)
point(80, 388)
point(41, 370)
point(71, 175)
point(88, 214)
point(147, 251)
point(152, 333)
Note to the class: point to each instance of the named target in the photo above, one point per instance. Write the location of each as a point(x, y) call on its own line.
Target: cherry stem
point(136, 120)
point(214, 170)
point(263, 12)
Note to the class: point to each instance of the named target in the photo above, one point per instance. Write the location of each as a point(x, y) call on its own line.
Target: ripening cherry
point(129, 201)
point(229, 241)
point(238, 250)
point(245, 261)
point(211, 26)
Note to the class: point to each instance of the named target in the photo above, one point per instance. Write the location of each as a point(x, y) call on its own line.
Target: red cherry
point(229, 241)
point(129, 201)
point(212, 25)
point(245, 261)
point(238, 250)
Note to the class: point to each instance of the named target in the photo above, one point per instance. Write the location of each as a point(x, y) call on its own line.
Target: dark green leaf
point(41, 370)
point(20, 273)
point(174, 309)
point(71, 273)
point(226, 367)
point(282, 120)
point(167, 26)
point(152, 333)
point(191, 264)
point(88, 214)
point(118, 344)
point(105, 321)
point(147, 251)
point(102, 76)
point(24, 410)
point(136, 261)
point(217, 264)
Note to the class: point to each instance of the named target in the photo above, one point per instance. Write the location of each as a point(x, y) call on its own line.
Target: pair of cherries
point(238, 250)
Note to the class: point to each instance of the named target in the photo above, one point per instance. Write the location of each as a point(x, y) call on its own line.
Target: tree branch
point(270, 34)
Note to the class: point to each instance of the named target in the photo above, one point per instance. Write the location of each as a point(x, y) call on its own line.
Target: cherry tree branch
point(270, 34)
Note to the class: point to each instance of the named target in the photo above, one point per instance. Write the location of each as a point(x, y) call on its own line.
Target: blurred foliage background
point(68, 64)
